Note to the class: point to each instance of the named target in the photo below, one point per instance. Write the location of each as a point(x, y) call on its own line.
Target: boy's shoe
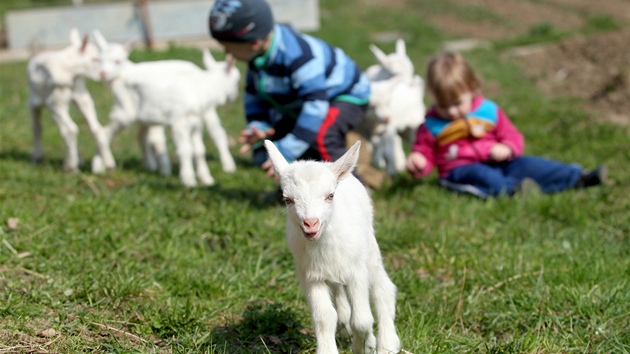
point(593, 177)
point(528, 186)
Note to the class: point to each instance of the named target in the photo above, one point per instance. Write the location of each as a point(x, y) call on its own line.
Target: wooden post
point(146, 23)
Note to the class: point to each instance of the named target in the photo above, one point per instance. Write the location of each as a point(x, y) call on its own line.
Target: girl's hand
point(500, 152)
point(416, 163)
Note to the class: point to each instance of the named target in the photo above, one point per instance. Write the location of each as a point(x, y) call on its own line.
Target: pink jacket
point(448, 144)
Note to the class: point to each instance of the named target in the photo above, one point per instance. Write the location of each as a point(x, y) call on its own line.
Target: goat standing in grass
point(396, 107)
point(330, 233)
point(155, 78)
point(56, 78)
point(173, 93)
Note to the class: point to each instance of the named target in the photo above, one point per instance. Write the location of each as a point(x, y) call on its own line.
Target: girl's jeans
point(493, 179)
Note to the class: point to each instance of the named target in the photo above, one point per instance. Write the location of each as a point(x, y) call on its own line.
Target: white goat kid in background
point(113, 61)
point(330, 233)
point(397, 63)
point(176, 94)
point(142, 93)
point(56, 78)
point(396, 107)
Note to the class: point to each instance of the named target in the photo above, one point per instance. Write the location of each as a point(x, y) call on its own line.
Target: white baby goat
point(389, 65)
point(153, 95)
point(56, 78)
point(330, 233)
point(396, 107)
point(115, 64)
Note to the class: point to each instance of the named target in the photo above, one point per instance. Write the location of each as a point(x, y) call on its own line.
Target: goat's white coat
point(56, 78)
point(172, 93)
point(330, 233)
point(396, 107)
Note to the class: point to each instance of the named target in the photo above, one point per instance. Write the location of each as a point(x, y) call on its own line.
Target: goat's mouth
point(311, 235)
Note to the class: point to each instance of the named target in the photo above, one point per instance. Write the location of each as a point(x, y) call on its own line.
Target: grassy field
point(132, 262)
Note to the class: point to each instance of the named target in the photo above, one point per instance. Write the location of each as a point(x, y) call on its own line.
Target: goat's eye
point(287, 200)
point(330, 196)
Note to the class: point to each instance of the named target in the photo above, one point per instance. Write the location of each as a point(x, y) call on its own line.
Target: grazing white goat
point(330, 233)
point(56, 78)
point(396, 107)
point(173, 93)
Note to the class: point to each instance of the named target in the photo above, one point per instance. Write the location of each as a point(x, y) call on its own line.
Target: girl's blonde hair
point(448, 76)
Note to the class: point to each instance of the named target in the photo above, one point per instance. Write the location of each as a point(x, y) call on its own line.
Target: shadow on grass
point(268, 328)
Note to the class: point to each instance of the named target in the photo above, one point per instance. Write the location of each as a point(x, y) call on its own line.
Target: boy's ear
point(257, 45)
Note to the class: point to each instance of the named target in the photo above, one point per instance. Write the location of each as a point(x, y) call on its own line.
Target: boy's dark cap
point(240, 20)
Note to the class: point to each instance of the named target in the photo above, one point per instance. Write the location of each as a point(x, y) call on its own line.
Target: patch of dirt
point(594, 68)
point(502, 19)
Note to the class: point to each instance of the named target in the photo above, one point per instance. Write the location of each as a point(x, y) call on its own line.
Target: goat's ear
point(381, 57)
point(277, 160)
point(84, 43)
point(346, 163)
point(101, 42)
point(208, 59)
point(400, 47)
point(75, 37)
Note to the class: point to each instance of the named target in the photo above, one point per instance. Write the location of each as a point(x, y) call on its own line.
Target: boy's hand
point(416, 163)
point(251, 137)
point(500, 152)
point(268, 167)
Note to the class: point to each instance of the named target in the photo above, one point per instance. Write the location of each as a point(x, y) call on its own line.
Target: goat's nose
point(311, 223)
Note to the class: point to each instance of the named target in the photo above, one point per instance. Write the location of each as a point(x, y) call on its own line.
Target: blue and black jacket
point(298, 77)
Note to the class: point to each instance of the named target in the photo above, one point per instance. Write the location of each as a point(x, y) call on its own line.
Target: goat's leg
point(383, 294)
point(400, 157)
point(378, 159)
point(36, 119)
point(156, 138)
point(220, 139)
point(108, 132)
point(343, 308)
point(149, 160)
point(85, 104)
point(58, 103)
point(361, 320)
point(181, 131)
point(323, 315)
point(199, 155)
point(152, 139)
point(392, 151)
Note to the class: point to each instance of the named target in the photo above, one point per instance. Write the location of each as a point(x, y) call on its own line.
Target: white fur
point(172, 93)
point(330, 233)
point(396, 107)
point(56, 78)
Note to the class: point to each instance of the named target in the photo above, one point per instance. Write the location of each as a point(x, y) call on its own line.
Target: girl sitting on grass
point(474, 145)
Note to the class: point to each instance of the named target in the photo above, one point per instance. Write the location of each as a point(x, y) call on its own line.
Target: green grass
point(132, 262)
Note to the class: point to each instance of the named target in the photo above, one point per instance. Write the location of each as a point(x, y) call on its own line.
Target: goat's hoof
point(189, 182)
point(229, 167)
point(110, 164)
point(71, 167)
point(207, 181)
point(98, 165)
